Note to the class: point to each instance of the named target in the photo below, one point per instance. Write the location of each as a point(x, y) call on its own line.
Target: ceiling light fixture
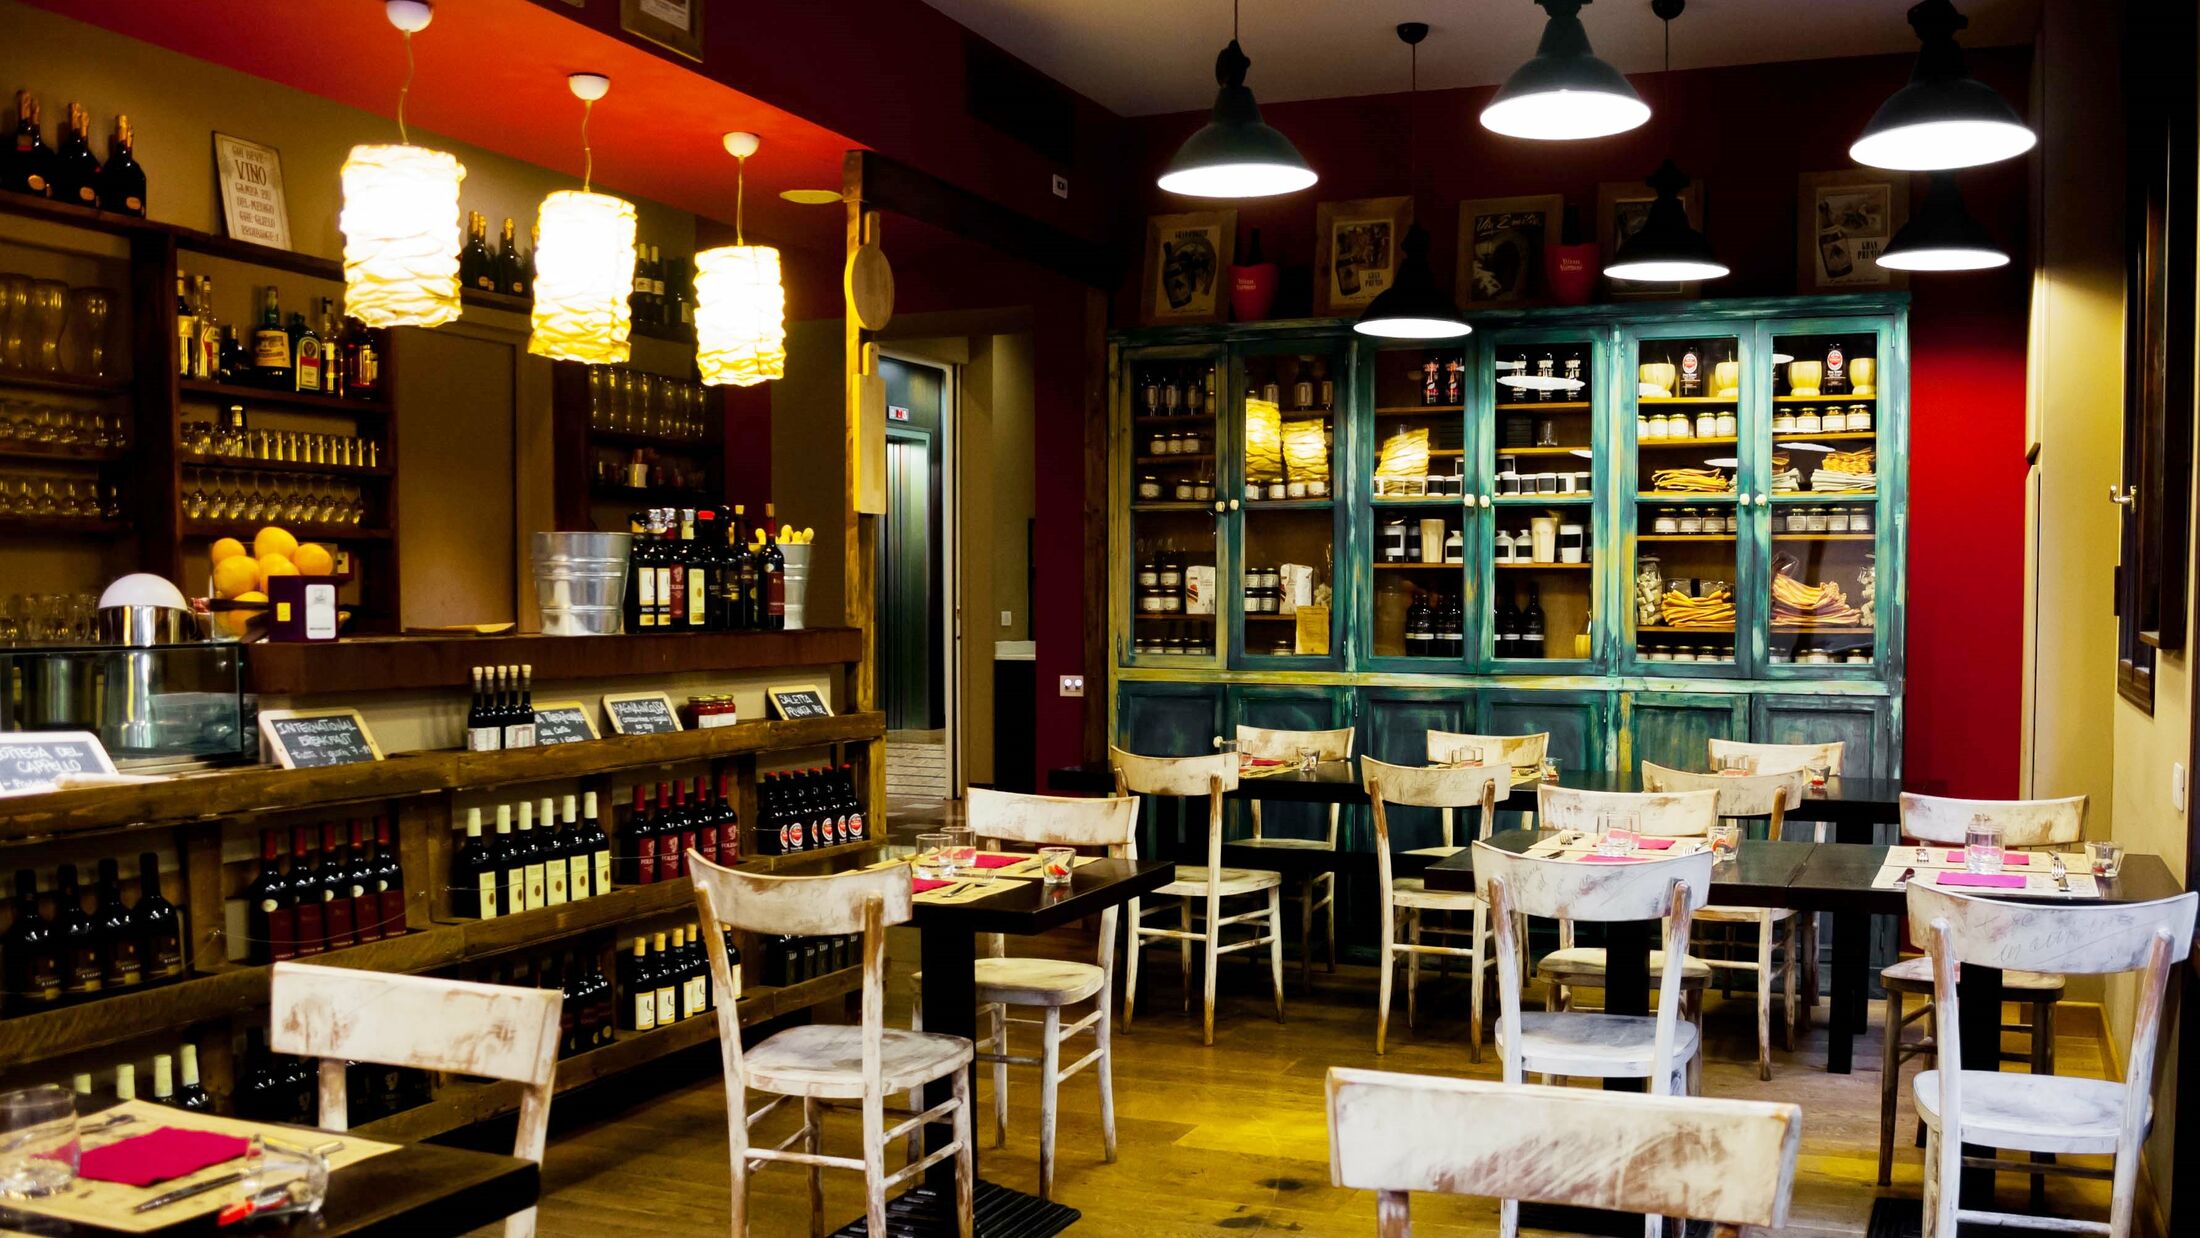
point(740, 305)
point(1667, 249)
point(1236, 154)
point(400, 216)
point(1413, 307)
point(1943, 236)
point(1564, 93)
point(811, 197)
point(584, 261)
point(1944, 118)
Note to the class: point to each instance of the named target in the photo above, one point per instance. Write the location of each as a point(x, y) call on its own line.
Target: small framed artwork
point(1501, 244)
point(677, 24)
point(1186, 256)
point(1843, 221)
point(1622, 208)
point(253, 208)
point(1356, 252)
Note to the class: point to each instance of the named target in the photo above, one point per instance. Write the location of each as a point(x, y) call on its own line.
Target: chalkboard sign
point(304, 738)
point(640, 713)
point(33, 760)
point(563, 722)
point(795, 702)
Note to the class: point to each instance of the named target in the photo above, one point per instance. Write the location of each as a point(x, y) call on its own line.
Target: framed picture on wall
point(1843, 221)
point(1501, 244)
point(1356, 252)
point(1622, 207)
point(251, 175)
point(1186, 257)
point(677, 24)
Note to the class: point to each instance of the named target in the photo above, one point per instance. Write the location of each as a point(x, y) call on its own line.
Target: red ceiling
point(492, 72)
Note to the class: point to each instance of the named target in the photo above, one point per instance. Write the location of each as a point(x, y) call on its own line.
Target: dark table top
point(1034, 907)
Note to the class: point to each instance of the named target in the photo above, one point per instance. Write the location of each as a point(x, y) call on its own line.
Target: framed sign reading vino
point(677, 24)
point(253, 208)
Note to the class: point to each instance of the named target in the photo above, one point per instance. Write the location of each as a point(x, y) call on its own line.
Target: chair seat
point(1741, 915)
point(1037, 982)
point(1916, 976)
point(2032, 1113)
point(1584, 966)
point(826, 1061)
point(1284, 844)
point(1601, 1046)
point(1414, 892)
point(1191, 881)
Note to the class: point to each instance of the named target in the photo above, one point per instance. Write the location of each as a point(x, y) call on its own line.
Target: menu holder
point(312, 738)
point(640, 713)
point(563, 722)
point(32, 761)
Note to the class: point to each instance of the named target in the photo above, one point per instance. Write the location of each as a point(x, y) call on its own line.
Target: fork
point(2060, 872)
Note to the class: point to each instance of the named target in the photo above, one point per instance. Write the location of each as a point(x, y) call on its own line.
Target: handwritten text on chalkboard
point(303, 741)
point(799, 701)
point(649, 714)
point(30, 762)
point(563, 722)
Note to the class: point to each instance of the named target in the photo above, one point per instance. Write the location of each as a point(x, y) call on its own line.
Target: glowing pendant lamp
point(1943, 236)
point(1413, 307)
point(1565, 93)
point(584, 261)
point(1236, 155)
point(1944, 118)
point(740, 307)
point(400, 216)
point(1667, 249)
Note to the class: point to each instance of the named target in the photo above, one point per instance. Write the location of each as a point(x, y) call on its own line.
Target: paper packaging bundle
point(1306, 450)
point(1199, 589)
point(1263, 441)
point(1295, 587)
point(1404, 460)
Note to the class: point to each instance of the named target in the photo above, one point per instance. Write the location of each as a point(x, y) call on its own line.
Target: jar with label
point(1666, 521)
point(1860, 418)
point(1172, 601)
point(1707, 424)
point(1808, 422)
point(1203, 490)
point(1690, 522)
point(1394, 542)
point(1149, 487)
point(1157, 443)
point(1857, 656)
point(1835, 421)
point(1149, 602)
point(1684, 653)
point(1814, 520)
point(1860, 519)
point(1270, 579)
point(1778, 521)
point(1676, 425)
point(1149, 575)
point(1193, 444)
point(1647, 428)
point(1508, 475)
point(1253, 491)
point(1171, 575)
point(1501, 544)
point(1783, 422)
point(1572, 544)
point(1659, 653)
point(1252, 581)
point(1837, 520)
point(1184, 490)
point(1317, 488)
point(1726, 424)
point(1294, 489)
point(1173, 644)
point(1455, 548)
point(1278, 490)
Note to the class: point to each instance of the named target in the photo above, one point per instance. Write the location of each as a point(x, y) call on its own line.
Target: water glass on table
point(1055, 864)
point(1736, 764)
point(962, 849)
point(2105, 858)
point(1618, 834)
point(1726, 839)
point(1982, 851)
point(1308, 759)
point(931, 860)
point(38, 1142)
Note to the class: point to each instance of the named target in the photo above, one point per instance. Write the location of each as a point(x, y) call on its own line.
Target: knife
point(1904, 880)
point(211, 1184)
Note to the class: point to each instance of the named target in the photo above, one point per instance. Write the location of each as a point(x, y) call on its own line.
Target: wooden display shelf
point(1699, 400)
point(1418, 567)
point(1654, 496)
point(1831, 496)
point(1174, 419)
point(1790, 629)
point(1543, 500)
point(243, 528)
point(1288, 505)
point(1726, 440)
point(1419, 500)
point(64, 526)
point(1825, 537)
point(411, 662)
point(1540, 451)
point(63, 384)
point(1686, 537)
point(1838, 436)
point(1708, 630)
point(1177, 457)
point(1265, 617)
point(1825, 399)
point(1418, 410)
point(311, 265)
point(1545, 567)
point(238, 464)
point(1174, 505)
point(61, 453)
point(1174, 617)
point(305, 401)
point(1553, 406)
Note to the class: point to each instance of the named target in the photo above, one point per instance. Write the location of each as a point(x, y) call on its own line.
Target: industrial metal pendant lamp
point(584, 261)
point(1944, 118)
point(1236, 154)
point(1667, 248)
point(1413, 307)
point(400, 216)
point(1564, 93)
point(740, 305)
point(1943, 236)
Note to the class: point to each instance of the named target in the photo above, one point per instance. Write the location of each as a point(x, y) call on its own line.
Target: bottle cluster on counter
point(506, 873)
point(69, 171)
point(77, 955)
point(502, 713)
point(665, 979)
point(702, 570)
point(348, 891)
point(800, 810)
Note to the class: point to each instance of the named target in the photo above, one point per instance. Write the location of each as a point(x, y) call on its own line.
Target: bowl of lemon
point(237, 590)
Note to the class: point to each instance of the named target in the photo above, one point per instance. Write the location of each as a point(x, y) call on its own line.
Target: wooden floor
point(1227, 1139)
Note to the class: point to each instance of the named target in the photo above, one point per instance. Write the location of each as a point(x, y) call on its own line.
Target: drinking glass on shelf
point(962, 848)
point(2104, 857)
point(49, 311)
point(85, 355)
point(38, 1142)
point(1982, 850)
point(932, 863)
point(15, 319)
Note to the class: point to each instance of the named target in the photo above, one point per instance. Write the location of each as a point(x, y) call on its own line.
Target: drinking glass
point(1726, 839)
point(38, 1146)
point(932, 862)
point(2104, 857)
point(89, 311)
point(962, 848)
point(1308, 759)
point(49, 310)
point(1819, 772)
point(1055, 864)
point(1982, 852)
point(15, 318)
point(1618, 833)
point(281, 1180)
point(1737, 764)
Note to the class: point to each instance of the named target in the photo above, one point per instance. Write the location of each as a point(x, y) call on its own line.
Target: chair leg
point(874, 1161)
point(737, 1112)
point(965, 1163)
point(1306, 934)
point(1184, 949)
point(1413, 965)
point(1764, 998)
point(2043, 1063)
point(1050, 1083)
point(1130, 968)
point(813, 1142)
point(1213, 943)
point(1790, 1017)
point(1810, 959)
point(1474, 985)
point(1508, 1218)
point(1103, 1036)
point(1275, 944)
point(1890, 1085)
point(1389, 950)
point(1942, 1197)
point(915, 1142)
point(1329, 911)
point(999, 1016)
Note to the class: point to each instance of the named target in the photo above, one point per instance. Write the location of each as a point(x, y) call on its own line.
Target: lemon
point(225, 548)
point(273, 541)
point(236, 621)
point(235, 576)
point(277, 565)
point(314, 560)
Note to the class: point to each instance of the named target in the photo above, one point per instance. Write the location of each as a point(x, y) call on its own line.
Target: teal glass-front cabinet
point(1286, 535)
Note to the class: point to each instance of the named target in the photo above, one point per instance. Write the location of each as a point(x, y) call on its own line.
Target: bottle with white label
point(554, 867)
point(579, 861)
point(530, 850)
point(474, 878)
point(666, 976)
point(483, 734)
point(599, 845)
point(511, 865)
point(519, 721)
point(126, 1081)
point(640, 1012)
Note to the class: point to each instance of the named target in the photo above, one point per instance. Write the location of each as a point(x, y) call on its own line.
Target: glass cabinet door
point(1286, 435)
point(1175, 502)
point(1823, 436)
point(1687, 516)
point(1419, 599)
point(1540, 456)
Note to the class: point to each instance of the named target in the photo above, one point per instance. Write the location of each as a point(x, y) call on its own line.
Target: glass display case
point(1542, 456)
point(1286, 439)
point(1824, 514)
point(1417, 487)
point(1689, 515)
point(1174, 503)
point(148, 705)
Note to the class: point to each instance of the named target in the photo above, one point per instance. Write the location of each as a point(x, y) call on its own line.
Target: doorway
point(915, 626)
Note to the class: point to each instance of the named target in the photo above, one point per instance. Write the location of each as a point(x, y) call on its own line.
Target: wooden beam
point(890, 185)
point(859, 562)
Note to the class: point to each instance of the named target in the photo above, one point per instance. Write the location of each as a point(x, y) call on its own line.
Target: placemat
point(2039, 884)
point(1579, 844)
point(1942, 856)
point(967, 891)
point(1439, 852)
point(1028, 866)
point(108, 1204)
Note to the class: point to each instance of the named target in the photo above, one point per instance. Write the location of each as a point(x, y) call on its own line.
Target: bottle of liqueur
point(511, 276)
point(121, 178)
point(361, 872)
point(530, 852)
point(330, 328)
point(207, 361)
point(1450, 638)
point(511, 866)
point(236, 359)
point(700, 559)
point(598, 845)
point(362, 355)
point(30, 167)
point(1418, 632)
point(1531, 626)
point(271, 922)
point(187, 327)
point(672, 587)
point(30, 954)
point(158, 924)
point(339, 897)
point(1505, 623)
point(555, 862)
point(638, 1013)
point(190, 1093)
point(638, 303)
point(79, 939)
point(519, 717)
point(305, 354)
point(483, 732)
point(476, 269)
point(660, 306)
point(745, 586)
point(475, 882)
point(76, 168)
point(773, 571)
point(271, 344)
point(1690, 378)
point(120, 948)
point(1835, 381)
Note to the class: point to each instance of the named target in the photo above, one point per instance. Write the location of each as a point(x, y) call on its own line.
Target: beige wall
point(809, 452)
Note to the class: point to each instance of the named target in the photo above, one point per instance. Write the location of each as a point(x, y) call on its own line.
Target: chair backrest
point(1270, 744)
point(1780, 758)
point(2024, 823)
point(1461, 786)
point(1052, 821)
point(1518, 751)
point(1746, 795)
point(1660, 814)
point(1137, 775)
point(344, 1014)
point(1731, 1162)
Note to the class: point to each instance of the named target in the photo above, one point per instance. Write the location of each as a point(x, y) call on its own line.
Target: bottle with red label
point(729, 822)
point(1689, 380)
point(1836, 378)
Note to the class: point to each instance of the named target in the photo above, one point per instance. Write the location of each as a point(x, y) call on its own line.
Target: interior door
point(908, 630)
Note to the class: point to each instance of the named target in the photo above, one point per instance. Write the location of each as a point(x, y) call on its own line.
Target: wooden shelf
point(670, 333)
point(1288, 505)
point(634, 438)
point(63, 526)
point(80, 216)
point(1646, 444)
point(1540, 451)
point(1554, 406)
point(443, 662)
point(1789, 629)
point(1178, 617)
point(1831, 496)
point(1687, 537)
point(1418, 410)
point(1825, 537)
point(308, 401)
point(259, 255)
point(1839, 436)
point(244, 529)
point(1171, 505)
point(59, 453)
point(239, 464)
point(1694, 400)
point(1825, 399)
point(1181, 420)
point(62, 384)
point(1716, 630)
point(1419, 567)
point(1653, 496)
point(1543, 500)
point(1265, 617)
point(1182, 457)
point(1428, 500)
point(1544, 567)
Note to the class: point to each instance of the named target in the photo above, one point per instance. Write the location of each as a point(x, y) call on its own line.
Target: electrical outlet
point(1061, 185)
point(1073, 685)
point(1008, 618)
point(2177, 785)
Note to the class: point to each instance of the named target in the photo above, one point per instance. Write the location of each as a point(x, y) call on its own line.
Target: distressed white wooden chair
point(1932, 820)
point(1752, 796)
point(1659, 1048)
point(830, 1065)
point(1317, 892)
point(1524, 753)
point(1051, 984)
point(1779, 759)
point(2041, 1113)
point(1728, 1162)
point(1470, 786)
point(343, 1014)
point(1200, 889)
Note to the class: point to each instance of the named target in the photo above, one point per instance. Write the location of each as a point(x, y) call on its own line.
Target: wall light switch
point(1061, 185)
point(2177, 785)
point(1073, 685)
point(1008, 618)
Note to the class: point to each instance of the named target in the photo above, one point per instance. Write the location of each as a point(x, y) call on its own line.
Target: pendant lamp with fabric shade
point(1236, 154)
point(400, 216)
point(1564, 93)
point(584, 261)
point(1944, 118)
point(740, 305)
point(1413, 307)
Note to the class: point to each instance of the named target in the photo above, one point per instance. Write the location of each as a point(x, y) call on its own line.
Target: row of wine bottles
point(659, 833)
point(703, 569)
point(333, 355)
point(68, 171)
point(507, 873)
point(175, 1082)
point(587, 1017)
point(275, 1087)
point(75, 955)
point(664, 982)
point(792, 960)
point(801, 809)
point(502, 714)
point(349, 891)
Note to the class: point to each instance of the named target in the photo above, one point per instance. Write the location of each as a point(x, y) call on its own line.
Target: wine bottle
point(727, 818)
point(164, 1080)
point(556, 855)
point(519, 711)
point(530, 851)
point(76, 168)
point(599, 847)
point(30, 166)
point(699, 967)
point(158, 925)
point(636, 853)
point(640, 601)
point(187, 327)
point(338, 897)
point(126, 1081)
point(638, 1013)
point(79, 937)
point(511, 275)
point(473, 890)
point(476, 269)
point(270, 343)
point(511, 866)
point(389, 879)
point(305, 894)
point(664, 976)
point(1531, 625)
point(329, 327)
point(665, 827)
point(30, 954)
point(120, 947)
point(580, 855)
point(366, 884)
point(271, 923)
point(1505, 623)
point(191, 1094)
point(773, 570)
point(861, 827)
point(362, 350)
point(698, 558)
point(1418, 632)
point(682, 832)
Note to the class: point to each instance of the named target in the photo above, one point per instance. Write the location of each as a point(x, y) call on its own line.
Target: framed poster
point(1843, 221)
point(1185, 259)
point(1622, 207)
point(1501, 244)
point(251, 177)
point(1356, 252)
point(677, 24)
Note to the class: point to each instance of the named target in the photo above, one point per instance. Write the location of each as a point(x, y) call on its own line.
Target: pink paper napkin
point(158, 1155)
point(919, 885)
point(1995, 881)
point(1653, 844)
point(1609, 859)
point(992, 860)
point(2012, 858)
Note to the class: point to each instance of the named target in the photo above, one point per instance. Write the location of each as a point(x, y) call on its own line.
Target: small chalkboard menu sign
point(563, 722)
point(794, 702)
point(304, 738)
point(640, 713)
point(37, 760)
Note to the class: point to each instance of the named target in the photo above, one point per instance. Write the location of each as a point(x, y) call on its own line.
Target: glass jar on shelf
point(1667, 521)
point(1157, 443)
point(1149, 488)
point(1707, 424)
point(1726, 423)
point(1860, 519)
point(1689, 523)
point(1860, 420)
point(1783, 422)
point(1837, 519)
point(1808, 422)
point(1171, 577)
point(1203, 490)
point(1184, 490)
point(1836, 420)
